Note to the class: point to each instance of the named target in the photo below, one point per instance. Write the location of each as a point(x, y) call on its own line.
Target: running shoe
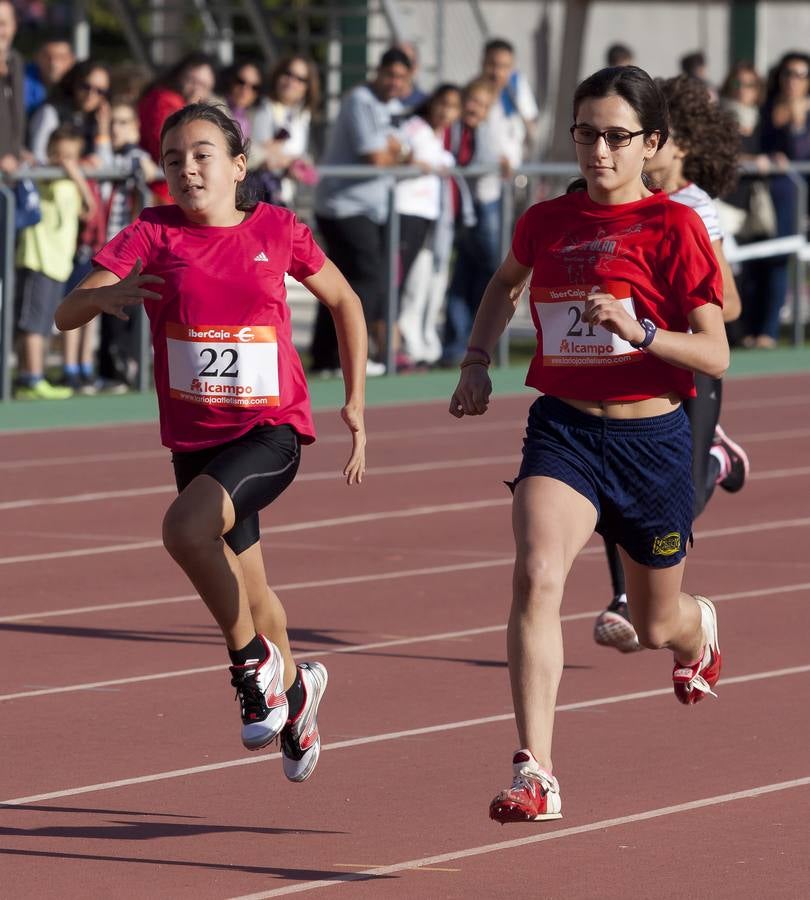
point(692, 683)
point(613, 628)
point(734, 464)
point(42, 390)
point(533, 797)
point(260, 689)
point(300, 740)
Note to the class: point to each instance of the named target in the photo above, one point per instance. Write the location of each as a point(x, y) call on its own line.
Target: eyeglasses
point(799, 74)
point(253, 85)
point(615, 138)
point(128, 121)
point(94, 89)
point(301, 79)
point(751, 83)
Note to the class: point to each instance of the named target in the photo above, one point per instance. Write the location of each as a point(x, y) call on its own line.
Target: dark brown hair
point(708, 134)
point(235, 141)
point(312, 98)
point(730, 83)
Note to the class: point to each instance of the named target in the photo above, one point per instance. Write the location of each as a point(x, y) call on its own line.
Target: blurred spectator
point(128, 81)
point(694, 65)
point(45, 259)
point(191, 80)
point(413, 95)
point(785, 128)
point(619, 55)
point(742, 93)
point(240, 86)
point(420, 201)
point(80, 99)
point(747, 213)
point(352, 213)
point(281, 130)
point(12, 107)
point(118, 352)
point(513, 116)
point(477, 236)
point(52, 61)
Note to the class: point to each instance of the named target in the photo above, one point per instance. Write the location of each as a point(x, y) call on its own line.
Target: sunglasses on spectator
point(253, 85)
point(94, 89)
point(302, 79)
point(615, 138)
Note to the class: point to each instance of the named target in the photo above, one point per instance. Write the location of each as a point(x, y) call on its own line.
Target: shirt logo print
point(261, 257)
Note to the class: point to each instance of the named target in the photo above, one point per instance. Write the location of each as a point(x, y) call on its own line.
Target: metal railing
point(795, 246)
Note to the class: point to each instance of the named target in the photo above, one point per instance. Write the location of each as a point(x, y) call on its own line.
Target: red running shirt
point(653, 255)
point(224, 358)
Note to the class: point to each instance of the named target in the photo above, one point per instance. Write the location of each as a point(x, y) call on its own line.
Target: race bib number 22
point(223, 365)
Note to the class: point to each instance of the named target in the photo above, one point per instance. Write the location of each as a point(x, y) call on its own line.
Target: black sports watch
point(650, 328)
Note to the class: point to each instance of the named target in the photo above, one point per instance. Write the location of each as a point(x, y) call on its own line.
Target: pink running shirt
point(224, 360)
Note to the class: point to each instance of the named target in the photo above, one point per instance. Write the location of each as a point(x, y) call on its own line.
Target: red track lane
point(241, 829)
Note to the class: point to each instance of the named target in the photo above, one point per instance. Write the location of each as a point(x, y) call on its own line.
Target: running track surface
point(122, 770)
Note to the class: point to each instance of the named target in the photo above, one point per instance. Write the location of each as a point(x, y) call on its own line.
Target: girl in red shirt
point(626, 297)
point(234, 407)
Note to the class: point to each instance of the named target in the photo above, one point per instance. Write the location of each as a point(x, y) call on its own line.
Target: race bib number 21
point(568, 340)
point(223, 365)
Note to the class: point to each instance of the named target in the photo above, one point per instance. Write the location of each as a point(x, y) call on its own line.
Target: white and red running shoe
point(613, 627)
point(260, 689)
point(734, 465)
point(300, 740)
point(692, 683)
point(533, 797)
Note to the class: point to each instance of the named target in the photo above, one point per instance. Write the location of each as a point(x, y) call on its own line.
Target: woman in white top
point(420, 202)
point(281, 128)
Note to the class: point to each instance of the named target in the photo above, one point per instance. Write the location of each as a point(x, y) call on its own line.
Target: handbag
point(760, 222)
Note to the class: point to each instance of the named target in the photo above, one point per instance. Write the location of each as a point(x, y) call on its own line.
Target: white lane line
point(493, 424)
point(360, 648)
point(275, 529)
point(380, 871)
point(779, 473)
point(389, 736)
point(402, 469)
point(774, 525)
point(331, 475)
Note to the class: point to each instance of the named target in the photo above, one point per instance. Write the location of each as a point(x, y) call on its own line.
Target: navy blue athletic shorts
point(254, 469)
point(636, 472)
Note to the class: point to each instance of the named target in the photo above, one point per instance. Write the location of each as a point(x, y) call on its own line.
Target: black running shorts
point(254, 469)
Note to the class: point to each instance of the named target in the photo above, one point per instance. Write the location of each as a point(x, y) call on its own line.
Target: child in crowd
point(45, 261)
point(118, 347)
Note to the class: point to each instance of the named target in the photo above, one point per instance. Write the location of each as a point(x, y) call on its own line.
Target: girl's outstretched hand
point(129, 291)
point(471, 397)
point(355, 468)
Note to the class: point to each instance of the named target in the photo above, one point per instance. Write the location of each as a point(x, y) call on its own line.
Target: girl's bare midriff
point(627, 409)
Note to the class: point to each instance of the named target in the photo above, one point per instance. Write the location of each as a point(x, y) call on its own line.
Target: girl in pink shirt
point(234, 406)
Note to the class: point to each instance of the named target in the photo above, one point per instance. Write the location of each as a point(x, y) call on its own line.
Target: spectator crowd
point(86, 117)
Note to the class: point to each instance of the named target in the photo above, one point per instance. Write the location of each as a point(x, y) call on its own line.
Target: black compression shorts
point(254, 469)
